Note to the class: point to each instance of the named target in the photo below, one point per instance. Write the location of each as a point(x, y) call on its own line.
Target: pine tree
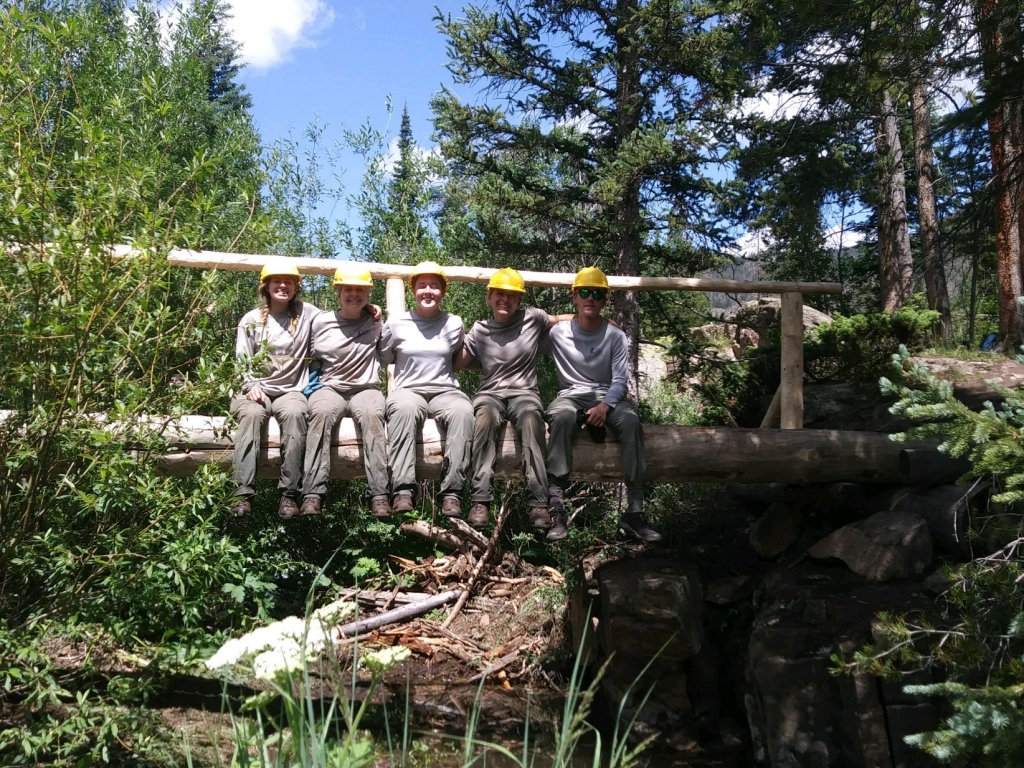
point(598, 137)
point(976, 632)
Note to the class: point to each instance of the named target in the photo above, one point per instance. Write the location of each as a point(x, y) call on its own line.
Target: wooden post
point(394, 303)
point(771, 418)
point(792, 386)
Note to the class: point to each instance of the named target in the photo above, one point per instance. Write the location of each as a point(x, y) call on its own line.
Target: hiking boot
point(478, 515)
point(539, 518)
point(241, 506)
point(451, 506)
point(559, 527)
point(402, 502)
point(310, 506)
point(287, 508)
point(380, 508)
point(636, 526)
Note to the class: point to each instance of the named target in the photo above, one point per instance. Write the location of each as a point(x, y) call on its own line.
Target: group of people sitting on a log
point(316, 367)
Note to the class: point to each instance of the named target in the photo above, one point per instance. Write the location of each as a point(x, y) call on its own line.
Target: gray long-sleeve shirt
point(347, 351)
point(507, 352)
point(590, 362)
point(422, 348)
point(285, 367)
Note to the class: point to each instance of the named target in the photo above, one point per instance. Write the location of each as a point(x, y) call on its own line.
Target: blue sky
point(337, 62)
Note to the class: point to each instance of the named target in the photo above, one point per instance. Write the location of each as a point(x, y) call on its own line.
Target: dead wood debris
point(503, 584)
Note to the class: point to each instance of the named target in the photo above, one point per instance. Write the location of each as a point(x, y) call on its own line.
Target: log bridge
point(789, 454)
point(674, 455)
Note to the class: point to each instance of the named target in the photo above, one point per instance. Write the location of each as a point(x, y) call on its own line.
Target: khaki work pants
point(622, 420)
point(526, 412)
point(290, 411)
point(326, 408)
point(407, 409)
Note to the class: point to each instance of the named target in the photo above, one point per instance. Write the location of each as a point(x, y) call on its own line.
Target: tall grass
point(291, 725)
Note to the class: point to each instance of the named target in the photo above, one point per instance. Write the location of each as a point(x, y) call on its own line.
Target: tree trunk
point(934, 272)
point(972, 313)
point(1005, 152)
point(896, 276)
point(627, 210)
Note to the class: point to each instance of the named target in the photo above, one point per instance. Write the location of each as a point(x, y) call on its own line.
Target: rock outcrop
point(800, 714)
point(888, 545)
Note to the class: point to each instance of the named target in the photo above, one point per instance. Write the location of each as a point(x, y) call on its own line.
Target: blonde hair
point(293, 305)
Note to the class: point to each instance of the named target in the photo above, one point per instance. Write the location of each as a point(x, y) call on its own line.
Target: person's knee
point(292, 416)
point(486, 417)
point(321, 411)
point(562, 418)
point(456, 413)
point(401, 408)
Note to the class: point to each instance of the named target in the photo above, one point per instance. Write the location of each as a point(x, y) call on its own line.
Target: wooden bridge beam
point(674, 454)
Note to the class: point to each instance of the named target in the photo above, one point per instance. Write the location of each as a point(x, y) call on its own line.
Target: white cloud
point(389, 161)
point(752, 243)
point(778, 105)
point(268, 30)
point(844, 236)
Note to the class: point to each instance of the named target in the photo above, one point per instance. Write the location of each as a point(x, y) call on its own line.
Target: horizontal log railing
point(791, 393)
point(240, 262)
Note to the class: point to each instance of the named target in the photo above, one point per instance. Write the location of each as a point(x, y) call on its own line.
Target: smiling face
point(281, 289)
point(503, 304)
point(352, 299)
point(427, 291)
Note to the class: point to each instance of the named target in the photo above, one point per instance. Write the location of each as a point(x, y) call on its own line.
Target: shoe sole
point(632, 532)
point(555, 535)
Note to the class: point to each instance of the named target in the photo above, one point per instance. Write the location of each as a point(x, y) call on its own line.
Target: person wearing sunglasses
point(592, 362)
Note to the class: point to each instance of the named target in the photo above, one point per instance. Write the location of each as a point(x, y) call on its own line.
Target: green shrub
point(856, 348)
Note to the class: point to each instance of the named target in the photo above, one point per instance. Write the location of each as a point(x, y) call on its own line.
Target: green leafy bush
point(856, 348)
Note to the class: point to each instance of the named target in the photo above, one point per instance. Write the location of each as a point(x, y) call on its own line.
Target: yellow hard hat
point(352, 273)
point(280, 268)
point(507, 279)
point(590, 277)
point(428, 268)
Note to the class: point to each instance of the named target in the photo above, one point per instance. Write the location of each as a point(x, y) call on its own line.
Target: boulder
point(710, 333)
point(648, 612)
point(743, 339)
point(764, 314)
point(775, 531)
point(731, 589)
point(644, 604)
point(800, 714)
point(888, 545)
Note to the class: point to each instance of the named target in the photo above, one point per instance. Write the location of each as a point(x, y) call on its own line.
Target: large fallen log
point(674, 454)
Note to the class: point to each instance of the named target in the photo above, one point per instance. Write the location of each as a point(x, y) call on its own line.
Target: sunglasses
point(597, 293)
